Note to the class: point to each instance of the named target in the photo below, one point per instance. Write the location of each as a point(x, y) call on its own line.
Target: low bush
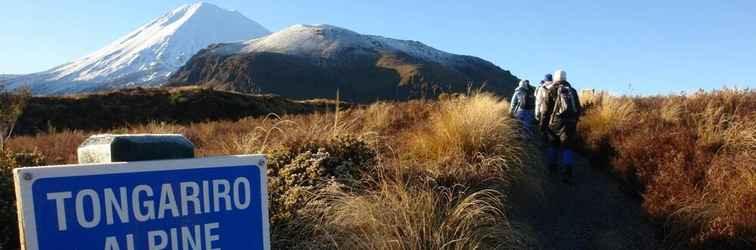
point(295, 175)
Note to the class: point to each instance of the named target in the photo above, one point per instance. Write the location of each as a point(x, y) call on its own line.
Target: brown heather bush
point(692, 158)
point(354, 178)
point(58, 147)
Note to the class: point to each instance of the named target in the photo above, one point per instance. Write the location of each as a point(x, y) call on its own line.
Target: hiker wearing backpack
point(559, 121)
point(522, 105)
point(540, 95)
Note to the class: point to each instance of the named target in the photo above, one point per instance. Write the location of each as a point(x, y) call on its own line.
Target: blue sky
point(628, 47)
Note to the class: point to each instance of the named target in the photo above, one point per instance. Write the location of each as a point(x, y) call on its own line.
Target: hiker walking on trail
point(559, 121)
point(540, 95)
point(522, 105)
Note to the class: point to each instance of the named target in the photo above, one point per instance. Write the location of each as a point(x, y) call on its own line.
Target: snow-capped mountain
point(313, 61)
point(326, 41)
point(148, 55)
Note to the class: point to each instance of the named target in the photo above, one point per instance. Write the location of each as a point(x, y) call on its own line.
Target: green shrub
point(8, 217)
point(296, 175)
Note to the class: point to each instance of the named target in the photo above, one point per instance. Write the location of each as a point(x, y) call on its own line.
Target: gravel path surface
point(590, 213)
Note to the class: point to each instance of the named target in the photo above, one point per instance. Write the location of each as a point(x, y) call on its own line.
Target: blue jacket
point(523, 99)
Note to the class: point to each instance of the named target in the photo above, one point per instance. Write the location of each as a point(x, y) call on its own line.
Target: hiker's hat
point(560, 76)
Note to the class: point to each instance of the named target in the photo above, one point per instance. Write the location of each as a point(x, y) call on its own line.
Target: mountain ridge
point(314, 61)
point(148, 55)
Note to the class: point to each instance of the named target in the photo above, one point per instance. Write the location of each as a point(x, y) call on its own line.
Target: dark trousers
point(561, 136)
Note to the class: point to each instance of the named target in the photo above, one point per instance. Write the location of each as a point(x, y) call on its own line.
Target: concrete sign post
point(210, 204)
point(106, 148)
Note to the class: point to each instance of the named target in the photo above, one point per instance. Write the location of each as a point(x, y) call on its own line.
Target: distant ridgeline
point(134, 106)
point(306, 62)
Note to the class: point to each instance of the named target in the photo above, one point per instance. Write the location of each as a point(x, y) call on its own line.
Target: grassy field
point(438, 174)
point(691, 158)
point(412, 175)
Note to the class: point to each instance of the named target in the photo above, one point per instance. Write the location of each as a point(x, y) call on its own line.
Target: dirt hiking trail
point(590, 213)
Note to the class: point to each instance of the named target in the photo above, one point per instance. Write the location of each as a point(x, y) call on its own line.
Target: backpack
point(527, 99)
point(541, 94)
point(565, 105)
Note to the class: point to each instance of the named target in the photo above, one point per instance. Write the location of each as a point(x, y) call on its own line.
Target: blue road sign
point(208, 204)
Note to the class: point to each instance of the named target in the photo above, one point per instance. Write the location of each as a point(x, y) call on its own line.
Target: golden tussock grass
point(431, 217)
point(468, 127)
point(605, 115)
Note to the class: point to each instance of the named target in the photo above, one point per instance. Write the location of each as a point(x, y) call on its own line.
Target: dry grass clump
point(463, 127)
point(431, 217)
point(57, 147)
point(387, 118)
point(412, 175)
point(606, 116)
point(692, 158)
point(468, 127)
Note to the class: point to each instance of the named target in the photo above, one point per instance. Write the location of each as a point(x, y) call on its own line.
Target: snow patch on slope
point(325, 41)
point(148, 55)
point(163, 45)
